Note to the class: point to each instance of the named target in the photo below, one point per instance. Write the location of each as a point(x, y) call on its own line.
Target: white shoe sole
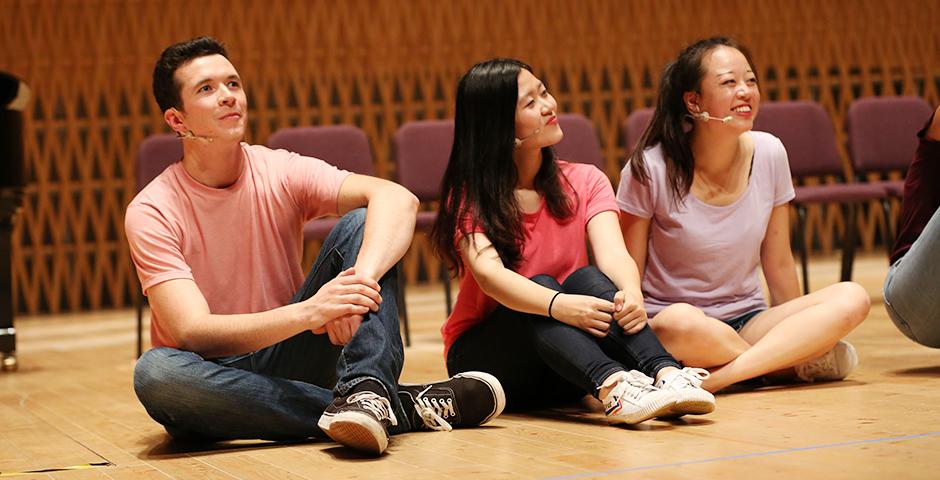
point(690, 407)
point(491, 382)
point(496, 389)
point(656, 408)
point(355, 430)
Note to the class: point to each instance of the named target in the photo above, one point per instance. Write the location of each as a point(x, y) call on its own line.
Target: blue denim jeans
point(278, 392)
point(912, 288)
point(543, 362)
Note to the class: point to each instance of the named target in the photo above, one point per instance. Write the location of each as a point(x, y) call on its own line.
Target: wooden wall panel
point(380, 63)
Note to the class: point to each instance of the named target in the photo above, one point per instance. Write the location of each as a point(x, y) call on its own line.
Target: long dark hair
point(480, 181)
point(671, 127)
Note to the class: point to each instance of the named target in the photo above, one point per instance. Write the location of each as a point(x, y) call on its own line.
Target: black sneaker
point(361, 419)
point(467, 399)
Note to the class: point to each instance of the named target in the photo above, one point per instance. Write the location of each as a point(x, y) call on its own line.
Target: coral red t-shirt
point(551, 247)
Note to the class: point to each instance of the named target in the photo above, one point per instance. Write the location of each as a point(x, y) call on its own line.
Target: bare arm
point(611, 254)
point(777, 258)
point(523, 295)
point(390, 221)
point(185, 315)
point(612, 258)
point(636, 235)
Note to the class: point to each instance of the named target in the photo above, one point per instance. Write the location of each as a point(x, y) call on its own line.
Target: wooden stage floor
point(71, 404)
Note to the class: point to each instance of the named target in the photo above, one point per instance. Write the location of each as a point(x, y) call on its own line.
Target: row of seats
point(881, 132)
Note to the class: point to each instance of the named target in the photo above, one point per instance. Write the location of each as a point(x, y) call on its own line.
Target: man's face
point(214, 104)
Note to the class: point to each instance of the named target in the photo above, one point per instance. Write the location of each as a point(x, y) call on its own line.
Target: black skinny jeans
point(542, 362)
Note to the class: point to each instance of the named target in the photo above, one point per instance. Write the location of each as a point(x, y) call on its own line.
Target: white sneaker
point(836, 364)
point(634, 399)
point(686, 385)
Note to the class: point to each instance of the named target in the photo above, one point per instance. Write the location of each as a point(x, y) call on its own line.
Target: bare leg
point(696, 339)
point(799, 330)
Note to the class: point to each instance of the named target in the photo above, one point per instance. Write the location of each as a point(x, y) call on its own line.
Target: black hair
point(478, 188)
point(670, 125)
point(165, 89)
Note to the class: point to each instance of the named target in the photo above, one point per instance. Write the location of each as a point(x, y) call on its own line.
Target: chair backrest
point(634, 126)
point(806, 131)
point(421, 152)
point(155, 154)
point(580, 143)
point(883, 132)
point(344, 146)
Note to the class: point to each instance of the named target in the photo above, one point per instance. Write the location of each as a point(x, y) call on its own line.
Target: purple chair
point(421, 151)
point(806, 131)
point(883, 135)
point(882, 138)
point(155, 154)
point(580, 143)
point(346, 147)
point(634, 127)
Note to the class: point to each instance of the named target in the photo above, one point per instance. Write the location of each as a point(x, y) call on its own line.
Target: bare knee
point(854, 301)
point(677, 321)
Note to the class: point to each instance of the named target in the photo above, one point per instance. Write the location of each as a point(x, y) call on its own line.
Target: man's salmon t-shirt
point(242, 244)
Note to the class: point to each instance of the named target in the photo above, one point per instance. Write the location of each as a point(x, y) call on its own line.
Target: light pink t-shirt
point(701, 254)
point(551, 247)
point(242, 244)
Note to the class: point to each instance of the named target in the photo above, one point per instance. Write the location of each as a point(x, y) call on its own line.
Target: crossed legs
point(775, 340)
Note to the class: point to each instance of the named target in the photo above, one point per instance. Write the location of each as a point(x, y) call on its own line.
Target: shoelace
point(641, 383)
point(375, 403)
point(430, 415)
point(690, 377)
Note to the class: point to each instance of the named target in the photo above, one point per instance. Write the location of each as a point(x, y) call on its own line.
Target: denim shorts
point(737, 323)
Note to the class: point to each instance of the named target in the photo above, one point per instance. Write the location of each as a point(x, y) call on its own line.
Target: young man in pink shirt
point(245, 347)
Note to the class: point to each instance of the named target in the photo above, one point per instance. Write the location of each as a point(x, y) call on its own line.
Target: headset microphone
point(189, 135)
point(517, 142)
point(704, 116)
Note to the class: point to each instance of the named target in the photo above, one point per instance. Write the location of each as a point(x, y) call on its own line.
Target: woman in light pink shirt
point(704, 204)
point(531, 311)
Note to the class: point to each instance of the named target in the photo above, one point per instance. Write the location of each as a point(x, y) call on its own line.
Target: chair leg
point(889, 226)
point(445, 279)
point(802, 246)
point(402, 305)
point(848, 242)
point(140, 323)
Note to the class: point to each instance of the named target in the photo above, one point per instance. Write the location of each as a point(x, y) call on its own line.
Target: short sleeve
point(155, 247)
point(598, 192)
point(633, 196)
point(313, 183)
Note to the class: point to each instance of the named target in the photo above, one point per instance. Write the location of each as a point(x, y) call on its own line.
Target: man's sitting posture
point(244, 346)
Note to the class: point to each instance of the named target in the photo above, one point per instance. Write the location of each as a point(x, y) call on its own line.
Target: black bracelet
point(550, 305)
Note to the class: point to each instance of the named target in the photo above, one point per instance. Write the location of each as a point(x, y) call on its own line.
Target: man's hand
point(342, 330)
point(340, 304)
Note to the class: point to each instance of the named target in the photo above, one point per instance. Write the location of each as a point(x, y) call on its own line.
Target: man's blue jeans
point(281, 391)
point(912, 288)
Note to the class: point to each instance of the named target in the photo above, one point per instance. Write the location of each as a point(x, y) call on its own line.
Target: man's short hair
point(165, 89)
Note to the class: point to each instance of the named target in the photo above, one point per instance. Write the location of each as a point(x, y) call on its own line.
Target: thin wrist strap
point(552, 303)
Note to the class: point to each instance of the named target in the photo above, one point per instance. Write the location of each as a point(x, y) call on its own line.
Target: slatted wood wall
point(378, 64)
